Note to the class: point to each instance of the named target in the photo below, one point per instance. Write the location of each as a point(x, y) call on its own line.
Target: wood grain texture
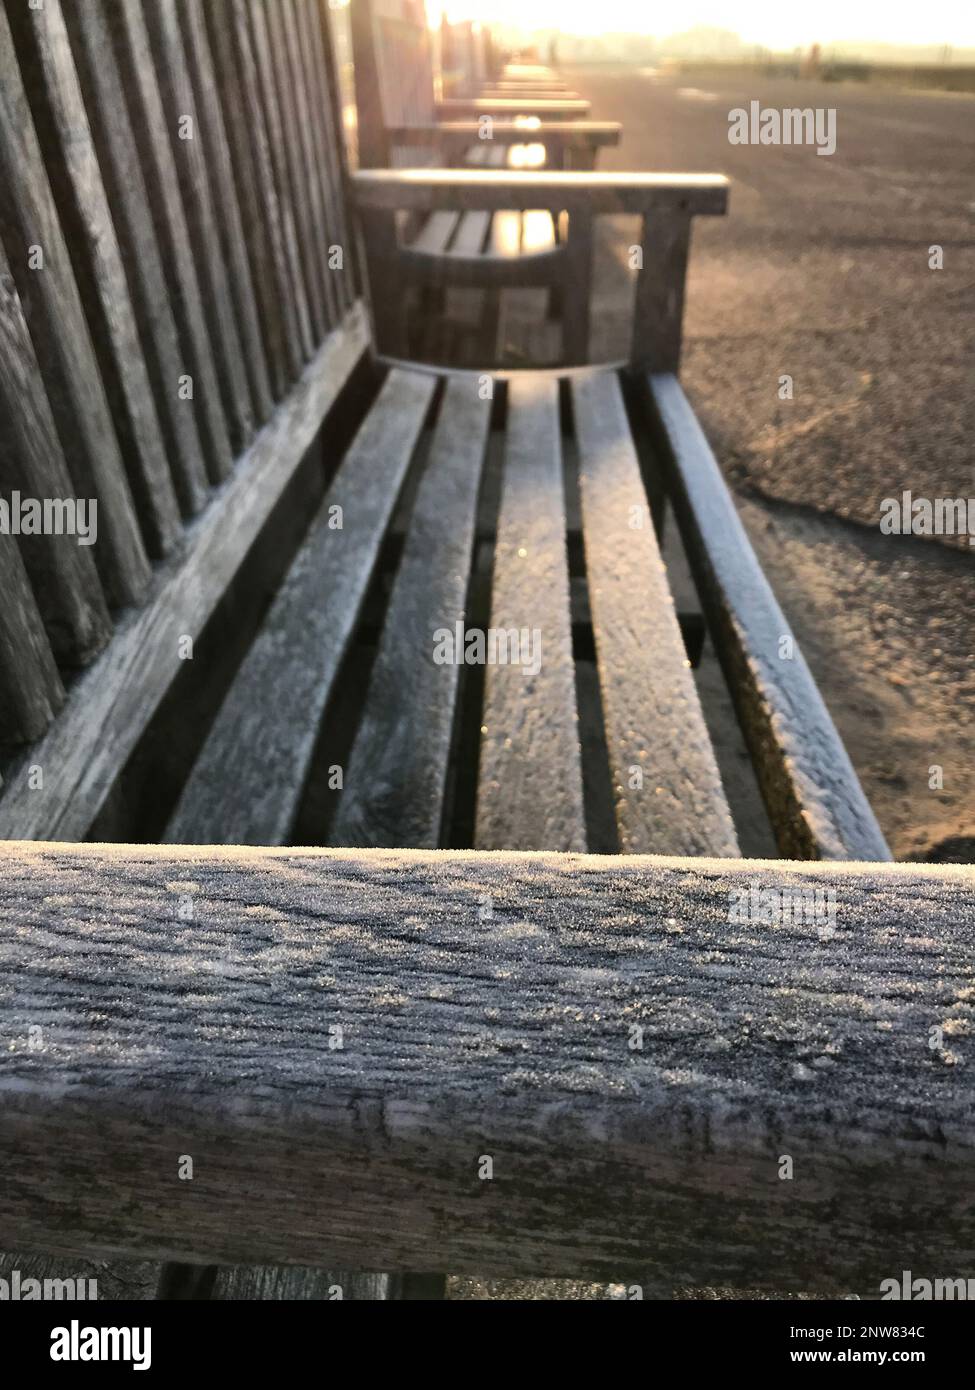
point(62, 124)
point(239, 84)
point(111, 703)
point(217, 413)
point(158, 32)
point(106, 1282)
point(101, 83)
point(530, 778)
point(210, 165)
point(63, 574)
point(250, 1283)
point(817, 807)
point(655, 730)
point(308, 160)
point(268, 723)
point(327, 106)
point(295, 227)
point(512, 1039)
point(293, 162)
point(53, 309)
point(30, 687)
point(394, 784)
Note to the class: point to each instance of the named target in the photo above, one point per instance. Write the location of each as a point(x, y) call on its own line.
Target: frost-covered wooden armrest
point(515, 1064)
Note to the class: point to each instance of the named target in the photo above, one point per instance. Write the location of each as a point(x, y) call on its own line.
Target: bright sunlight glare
point(767, 22)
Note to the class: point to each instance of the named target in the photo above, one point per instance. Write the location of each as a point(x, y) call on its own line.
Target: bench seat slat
point(530, 779)
point(652, 713)
point(267, 725)
point(394, 786)
point(817, 805)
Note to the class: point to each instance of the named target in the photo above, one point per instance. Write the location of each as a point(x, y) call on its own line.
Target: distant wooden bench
point(400, 124)
point(337, 1038)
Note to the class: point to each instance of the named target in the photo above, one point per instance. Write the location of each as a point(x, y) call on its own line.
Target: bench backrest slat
point(41, 268)
point(170, 201)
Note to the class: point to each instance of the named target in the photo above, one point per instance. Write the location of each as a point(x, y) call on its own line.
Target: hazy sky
point(771, 23)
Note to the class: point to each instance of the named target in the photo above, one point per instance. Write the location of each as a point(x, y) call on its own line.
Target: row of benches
point(339, 1038)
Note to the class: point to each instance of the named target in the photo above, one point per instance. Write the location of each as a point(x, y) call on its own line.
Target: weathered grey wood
point(387, 304)
point(217, 414)
point(659, 309)
point(279, 1282)
point(61, 121)
point(393, 789)
point(307, 160)
point(667, 789)
point(101, 83)
point(464, 189)
point(329, 110)
point(111, 704)
point(30, 687)
point(90, 1279)
point(462, 1039)
point(817, 806)
point(267, 725)
point(301, 191)
point(530, 778)
point(158, 33)
point(63, 574)
point(52, 307)
point(240, 93)
point(209, 162)
point(276, 114)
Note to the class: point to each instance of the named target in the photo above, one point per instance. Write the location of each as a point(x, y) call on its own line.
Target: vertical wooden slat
point(121, 169)
point(62, 572)
point(239, 86)
point(141, 86)
point(577, 288)
point(30, 687)
point(273, 17)
point(327, 99)
point(226, 113)
point(659, 310)
point(62, 125)
point(197, 158)
point(257, 40)
point(295, 67)
point(28, 218)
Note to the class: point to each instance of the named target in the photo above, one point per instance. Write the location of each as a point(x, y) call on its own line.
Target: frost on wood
point(464, 1035)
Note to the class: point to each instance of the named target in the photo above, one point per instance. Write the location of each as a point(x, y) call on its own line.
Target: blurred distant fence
point(934, 76)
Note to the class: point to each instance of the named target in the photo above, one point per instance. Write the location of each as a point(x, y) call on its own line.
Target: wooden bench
point(339, 1038)
point(400, 124)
